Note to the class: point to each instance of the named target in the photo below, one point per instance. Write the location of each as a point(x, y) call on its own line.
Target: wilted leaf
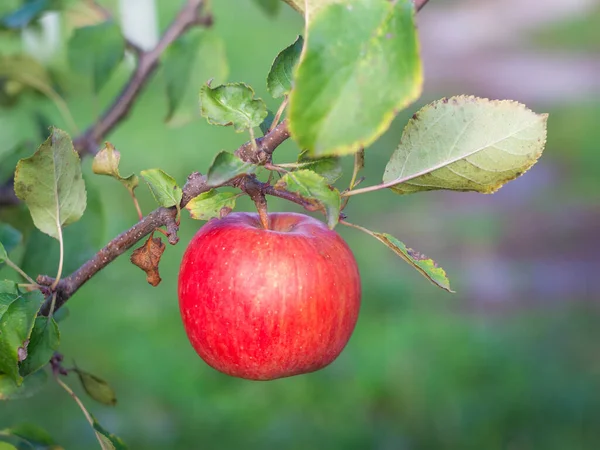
point(279, 80)
point(43, 342)
point(9, 239)
point(15, 329)
point(147, 258)
point(106, 162)
point(96, 50)
point(225, 167)
point(359, 68)
point(270, 7)
point(23, 16)
point(329, 167)
point(51, 184)
point(164, 188)
point(109, 441)
point(232, 104)
point(466, 143)
point(31, 385)
point(211, 204)
point(97, 388)
point(315, 189)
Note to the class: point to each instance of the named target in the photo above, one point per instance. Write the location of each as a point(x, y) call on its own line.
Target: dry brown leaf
point(147, 258)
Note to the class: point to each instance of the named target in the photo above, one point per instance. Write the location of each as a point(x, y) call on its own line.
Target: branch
point(195, 185)
point(419, 4)
point(148, 62)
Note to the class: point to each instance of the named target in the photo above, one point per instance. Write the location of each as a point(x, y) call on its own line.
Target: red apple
point(269, 303)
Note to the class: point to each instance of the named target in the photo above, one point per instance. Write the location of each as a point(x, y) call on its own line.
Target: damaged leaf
point(147, 258)
point(211, 204)
point(106, 162)
point(97, 388)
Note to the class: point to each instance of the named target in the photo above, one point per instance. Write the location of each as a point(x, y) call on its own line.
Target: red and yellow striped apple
point(262, 303)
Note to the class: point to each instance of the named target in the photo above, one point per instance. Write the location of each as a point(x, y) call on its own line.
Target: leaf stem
point(137, 205)
point(19, 270)
point(376, 187)
point(278, 114)
point(358, 227)
point(87, 415)
point(61, 257)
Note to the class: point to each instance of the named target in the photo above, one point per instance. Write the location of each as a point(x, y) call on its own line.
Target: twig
point(419, 4)
point(189, 16)
point(266, 145)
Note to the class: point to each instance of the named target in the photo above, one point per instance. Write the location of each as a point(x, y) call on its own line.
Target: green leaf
point(81, 240)
point(96, 51)
point(279, 80)
point(8, 294)
point(266, 124)
point(232, 104)
point(15, 330)
point(225, 167)
point(106, 162)
point(315, 189)
point(164, 188)
point(9, 238)
point(178, 62)
point(51, 184)
point(7, 446)
point(270, 7)
point(34, 436)
point(359, 68)
point(209, 58)
point(427, 267)
point(43, 342)
point(211, 204)
point(97, 388)
point(23, 16)
point(329, 167)
point(108, 440)
point(466, 143)
point(31, 385)
point(3, 255)
point(313, 5)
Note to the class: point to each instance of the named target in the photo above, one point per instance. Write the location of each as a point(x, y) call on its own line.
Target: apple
point(262, 303)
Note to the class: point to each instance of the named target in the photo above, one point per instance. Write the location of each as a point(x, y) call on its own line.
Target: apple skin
point(265, 304)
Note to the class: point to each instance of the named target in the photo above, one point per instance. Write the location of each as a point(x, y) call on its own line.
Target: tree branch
point(148, 62)
point(195, 185)
point(419, 4)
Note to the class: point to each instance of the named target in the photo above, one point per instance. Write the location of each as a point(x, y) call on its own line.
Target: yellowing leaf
point(466, 143)
point(359, 68)
point(211, 204)
point(51, 184)
point(106, 162)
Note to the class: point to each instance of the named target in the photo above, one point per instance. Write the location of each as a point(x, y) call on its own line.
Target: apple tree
point(340, 84)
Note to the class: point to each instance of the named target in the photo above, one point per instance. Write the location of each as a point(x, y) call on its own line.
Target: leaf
point(178, 62)
point(106, 162)
point(466, 143)
point(359, 68)
point(147, 258)
point(211, 204)
point(97, 388)
point(232, 104)
point(279, 80)
point(225, 167)
point(81, 240)
point(31, 385)
point(108, 440)
point(34, 436)
point(43, 342)
point(209, 58)
point(270, 7)
point(313, 187)
point(313, 5)
point(15, 330)
point(7, 446)
point(3, 255)
point(51, 184)
point(9, 238)
point(164, 188)
point(96, 51)
point(427, 267)
point(23, 16)
point(329, 167)
point(8, 294)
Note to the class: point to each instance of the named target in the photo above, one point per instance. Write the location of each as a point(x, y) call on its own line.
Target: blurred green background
point(511, 361)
